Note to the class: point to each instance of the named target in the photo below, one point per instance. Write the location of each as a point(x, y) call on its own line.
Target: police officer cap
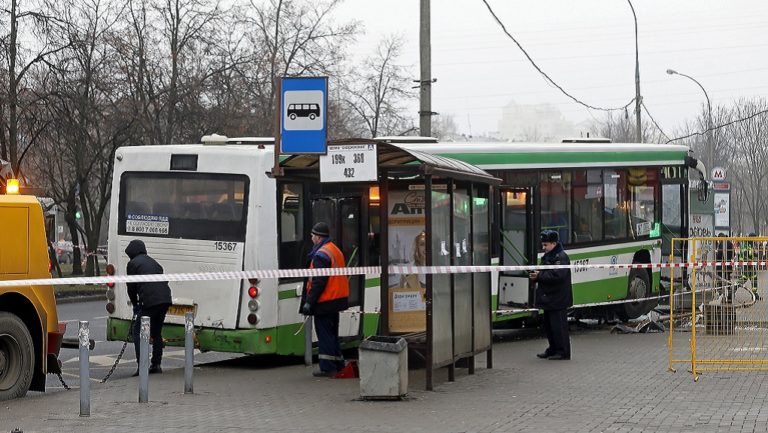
point(549, 236)
point(321, 229)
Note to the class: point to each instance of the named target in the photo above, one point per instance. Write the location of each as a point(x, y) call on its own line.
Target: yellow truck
point(30, 334)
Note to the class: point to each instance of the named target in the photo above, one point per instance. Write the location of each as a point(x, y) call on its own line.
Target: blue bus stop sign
point(303, 125)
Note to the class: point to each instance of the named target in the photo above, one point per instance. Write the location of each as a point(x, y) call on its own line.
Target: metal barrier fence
point(718, 317)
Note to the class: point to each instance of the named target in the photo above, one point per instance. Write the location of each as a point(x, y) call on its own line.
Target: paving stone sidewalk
point(615, 383)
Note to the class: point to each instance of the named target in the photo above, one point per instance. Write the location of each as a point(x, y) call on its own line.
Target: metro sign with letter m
point(718, 173)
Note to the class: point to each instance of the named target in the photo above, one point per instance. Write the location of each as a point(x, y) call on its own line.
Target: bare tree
point(38, 20)
point(444, 128)
point(289, 38)
point(189, 30)
point(379, 90)
point(620, 128)
point(88, 118)
point(748, 158)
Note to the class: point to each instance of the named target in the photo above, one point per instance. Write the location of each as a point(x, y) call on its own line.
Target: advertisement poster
point(407, 246)
point(407, 239)
point(702, 226)
point(722, 209)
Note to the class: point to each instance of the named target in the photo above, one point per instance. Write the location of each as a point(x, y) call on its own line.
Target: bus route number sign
point(349, 163)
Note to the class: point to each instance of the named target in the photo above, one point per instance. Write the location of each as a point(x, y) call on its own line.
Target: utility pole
point(638, 98)
point(425, 97)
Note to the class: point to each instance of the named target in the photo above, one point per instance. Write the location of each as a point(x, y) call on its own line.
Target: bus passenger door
point(517, 241)
point(345, 219)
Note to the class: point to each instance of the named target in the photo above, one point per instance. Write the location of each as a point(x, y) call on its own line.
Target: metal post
point(308, 341)
point(189, 351)
point(638, 98)
point(710, 142)
point(85, 375)
point(144, 360)
point(277, 130)
point(425, 49)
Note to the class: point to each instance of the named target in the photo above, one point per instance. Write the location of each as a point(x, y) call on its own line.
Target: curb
point(84, 298)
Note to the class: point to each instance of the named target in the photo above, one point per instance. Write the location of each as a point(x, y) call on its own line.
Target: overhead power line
point(654, 121)
point(742, 119)
point(544, 74)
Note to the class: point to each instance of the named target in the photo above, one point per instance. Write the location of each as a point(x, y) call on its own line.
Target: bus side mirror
point(703, 192)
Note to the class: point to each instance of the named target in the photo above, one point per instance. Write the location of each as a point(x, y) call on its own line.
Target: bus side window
point(555, 188)
point(291, 227)
point(615, 204)
point(587, 206)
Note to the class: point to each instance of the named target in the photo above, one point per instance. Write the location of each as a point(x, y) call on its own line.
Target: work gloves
point(306, 309)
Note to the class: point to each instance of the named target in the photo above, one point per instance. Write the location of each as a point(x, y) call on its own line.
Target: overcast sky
point(586, 46)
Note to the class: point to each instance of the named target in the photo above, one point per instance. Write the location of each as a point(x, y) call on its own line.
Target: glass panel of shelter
point(462, 282)
point(442, 327)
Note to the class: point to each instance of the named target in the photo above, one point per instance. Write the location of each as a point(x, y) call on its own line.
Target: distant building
point(540, 122)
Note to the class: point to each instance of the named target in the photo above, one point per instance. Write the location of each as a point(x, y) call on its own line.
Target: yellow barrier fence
point(718, 318)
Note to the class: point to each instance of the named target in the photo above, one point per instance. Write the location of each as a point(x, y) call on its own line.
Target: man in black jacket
point(554, 296)
point(150, 299)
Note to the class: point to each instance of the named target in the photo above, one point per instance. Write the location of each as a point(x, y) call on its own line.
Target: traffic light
point(78, 215)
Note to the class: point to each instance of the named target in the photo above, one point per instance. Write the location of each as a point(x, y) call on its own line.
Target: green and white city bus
point(212, 207)
point(609, 202)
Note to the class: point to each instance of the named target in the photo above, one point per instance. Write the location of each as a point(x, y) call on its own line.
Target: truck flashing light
point(12, 186)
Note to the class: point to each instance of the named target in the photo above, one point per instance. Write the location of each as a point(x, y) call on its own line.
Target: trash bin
point(383, 368)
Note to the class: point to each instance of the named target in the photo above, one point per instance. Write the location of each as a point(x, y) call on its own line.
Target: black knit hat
point(549, 236)
point(321, 229)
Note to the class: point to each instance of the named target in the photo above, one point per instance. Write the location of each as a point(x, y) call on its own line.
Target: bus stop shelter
point(416, 210)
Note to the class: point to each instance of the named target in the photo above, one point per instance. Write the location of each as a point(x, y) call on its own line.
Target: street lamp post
point(710, 144)
point(638, 99)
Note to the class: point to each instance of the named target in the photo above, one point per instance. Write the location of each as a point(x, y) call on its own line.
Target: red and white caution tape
point(361, 270)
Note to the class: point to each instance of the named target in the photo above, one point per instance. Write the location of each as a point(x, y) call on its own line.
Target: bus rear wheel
point(17, 358)
point(638, 287)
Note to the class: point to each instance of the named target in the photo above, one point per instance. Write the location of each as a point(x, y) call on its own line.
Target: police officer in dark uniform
point(150, 298)
point(554, 296)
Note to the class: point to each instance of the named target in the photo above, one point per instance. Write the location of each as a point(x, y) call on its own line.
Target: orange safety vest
point(337, 286)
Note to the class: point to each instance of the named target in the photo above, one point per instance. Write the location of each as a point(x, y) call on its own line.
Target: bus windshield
point(204, 206)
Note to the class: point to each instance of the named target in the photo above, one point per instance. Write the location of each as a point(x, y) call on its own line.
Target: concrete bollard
point(85, 374)
point(144, 360)
point(189, 351)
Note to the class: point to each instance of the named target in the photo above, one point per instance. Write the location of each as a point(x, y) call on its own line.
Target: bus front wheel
point(17, 358)
point(638, 287)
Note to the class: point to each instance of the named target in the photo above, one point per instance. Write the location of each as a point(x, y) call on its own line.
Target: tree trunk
point(13, 92)
point(92, 263)
point(77, 262)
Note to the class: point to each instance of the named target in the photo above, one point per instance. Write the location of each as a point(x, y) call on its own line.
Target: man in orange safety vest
point(324, 297)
